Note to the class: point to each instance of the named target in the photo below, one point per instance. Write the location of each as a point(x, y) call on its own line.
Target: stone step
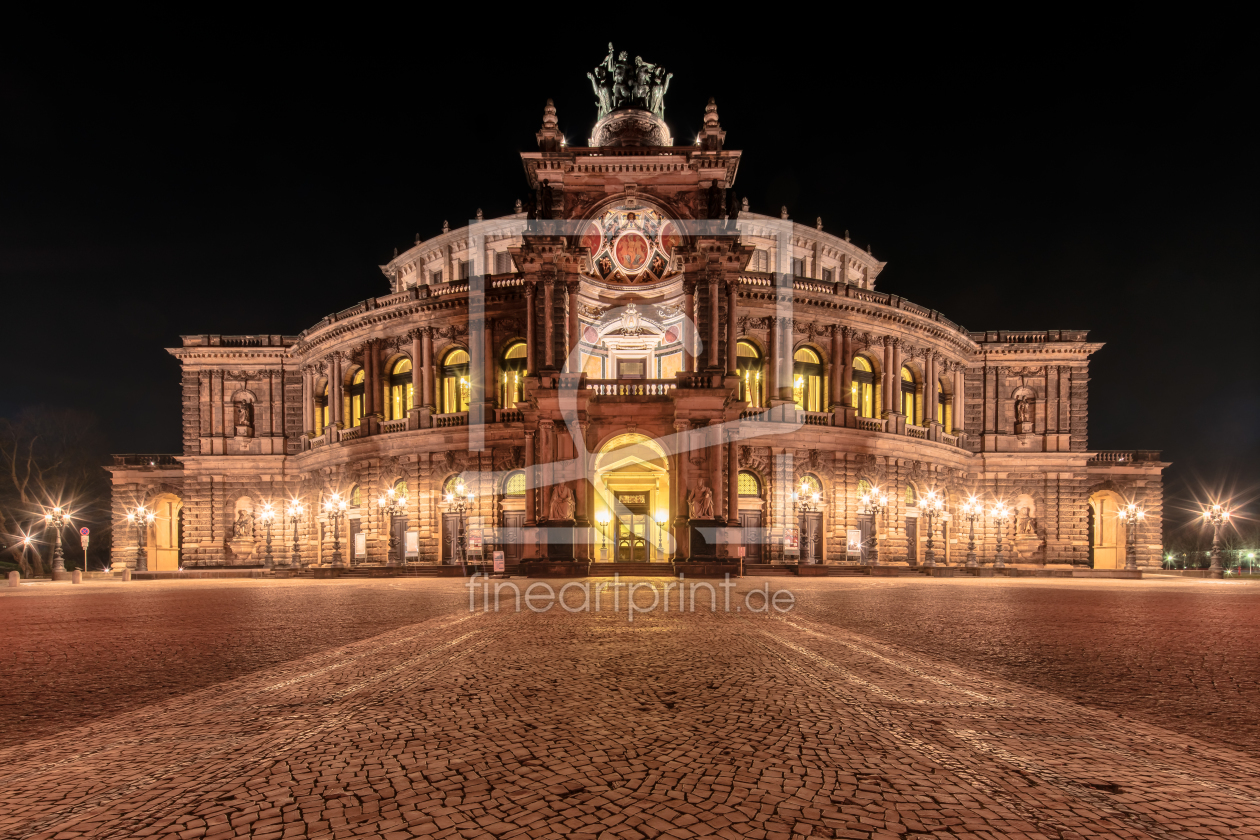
point(632, 569)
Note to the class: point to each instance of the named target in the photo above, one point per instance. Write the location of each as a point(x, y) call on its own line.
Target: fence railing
point(631, 387)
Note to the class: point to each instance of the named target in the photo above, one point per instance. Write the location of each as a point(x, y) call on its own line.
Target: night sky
point(254, 184)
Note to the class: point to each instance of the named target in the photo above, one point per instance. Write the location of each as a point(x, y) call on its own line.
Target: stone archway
point(1107, 537)
point(632, 488)
point(165, 536)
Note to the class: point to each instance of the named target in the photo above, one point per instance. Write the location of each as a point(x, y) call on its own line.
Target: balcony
point(1124, 457)
point(632, 387)
point(149, 461)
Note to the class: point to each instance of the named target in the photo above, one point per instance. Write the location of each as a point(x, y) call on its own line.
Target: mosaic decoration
point(631, 245)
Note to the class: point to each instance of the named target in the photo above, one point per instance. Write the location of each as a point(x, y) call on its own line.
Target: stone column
point(846, 374)
point(889, 377)
point(549, 322)
point(337, 392)
point(417, 369)
point(681, 484)
point(689, 325)
point(960, 400)
point(216, 402)
point(426, 374)
point(772, 360)
point(837, 369)
point(491, 386)
point(572, 287)
point(930, 389)
point(582, 486)
point(732, 478)
point(896, 375)
point(378, 379)
point(714, 317)
point(308, 402)
point(732, 326)
point(531, 293)
point(277, 403)
point(546, 442)
point(999, 386)
point(531, 480)
point(714, 451)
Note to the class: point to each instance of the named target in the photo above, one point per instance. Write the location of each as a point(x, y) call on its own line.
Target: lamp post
point(806, 502)
point(392, 503)
point(973, 511)
point(267, 516)
point(873, 503)
point(1131, 515)
point(460, 501)
point(295, 512)
point(603, 519)
point(1217, 516)
point(661, 518)
point(335, 507)
point(1000, 513)
point(55, 519)
point(932, 505)
point(141, 518)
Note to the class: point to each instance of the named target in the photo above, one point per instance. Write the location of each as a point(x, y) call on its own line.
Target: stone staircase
point(768, 570)
point(632, 569)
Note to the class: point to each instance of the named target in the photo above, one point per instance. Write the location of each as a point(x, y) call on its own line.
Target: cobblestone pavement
point(467, 725)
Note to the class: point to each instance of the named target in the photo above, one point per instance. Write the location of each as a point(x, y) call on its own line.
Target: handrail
point(399, 425)
point(631, 387)
point(448, 421)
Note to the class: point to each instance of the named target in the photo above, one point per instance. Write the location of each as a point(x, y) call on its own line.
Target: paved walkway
point(506, 724)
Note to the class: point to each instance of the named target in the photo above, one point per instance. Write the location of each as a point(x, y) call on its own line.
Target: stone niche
point(1029, 539)
point(242, 542)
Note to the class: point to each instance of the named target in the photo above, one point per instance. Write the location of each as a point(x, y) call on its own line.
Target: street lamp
point(603, 519)
point(873, 504)
point(1217, 516)
point(392, 503)
point(335, 507)
point(141, 518)
point(1131, 515)
point(661, 518)
point(973, 511)
point(56, 519)
point(295, 512)
point(460, 501)
point(806, 502)
point(932, 506)
point(267, 516)
point(1000, 513)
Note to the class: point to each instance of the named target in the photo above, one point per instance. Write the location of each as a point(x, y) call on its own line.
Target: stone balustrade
point(631, 387)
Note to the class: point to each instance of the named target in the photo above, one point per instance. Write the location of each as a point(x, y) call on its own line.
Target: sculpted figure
point(244, 525)
point(1022, 521)
point(244, 414)
point(603, 93)
point(660, 87)
point(546, 200)
point(700, 501)
point(1024, 410)
point(561, 503)
point(623, 89)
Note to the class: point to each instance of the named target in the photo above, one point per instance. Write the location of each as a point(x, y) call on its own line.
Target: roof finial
point(395, 252)
point(745, 205)
point(417, 238)
point(846, 235)
point(480, 218)
point(783, 212)
point(550, 138)
point(446, 227)
point(711, 136)
point(819, 224)
point(518, 206)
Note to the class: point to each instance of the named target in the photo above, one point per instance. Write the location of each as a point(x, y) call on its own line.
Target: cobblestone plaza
point(268, 709)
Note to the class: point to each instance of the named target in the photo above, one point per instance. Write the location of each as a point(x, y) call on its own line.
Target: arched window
point(512, 379)
point(807, 374)
point(515, 485)
point(912, 498)
point(748, 484)
point(452, 484)
point(863, 488)
point(401, 396)
point(400, 487)
point(940, 403)
point(356, 398)
point(909, 395)
point(454, 382)
point(748, 363)
point(355, 496)
point(809, 485)
point(863, 394)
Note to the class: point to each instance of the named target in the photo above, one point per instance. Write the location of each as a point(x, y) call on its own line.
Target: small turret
point(711, 136)
point(550, 138)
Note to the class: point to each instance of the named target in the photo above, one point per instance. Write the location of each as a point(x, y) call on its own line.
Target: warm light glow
point(1000, 510)
point(603, 518)
point(450, 497)
point(268, 513)
point(661, 517)
point(295, 509)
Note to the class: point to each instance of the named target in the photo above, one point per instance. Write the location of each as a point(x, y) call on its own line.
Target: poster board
point(792, 542)
point(853, 543)
point(360, 544)
point(499, 563)
point(413, 544)
point(475, 541)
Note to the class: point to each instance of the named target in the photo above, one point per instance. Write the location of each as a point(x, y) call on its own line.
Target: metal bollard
point(126, 574)
point(15, 579)
point(77, 577)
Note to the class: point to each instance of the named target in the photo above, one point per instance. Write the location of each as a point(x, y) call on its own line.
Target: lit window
point(863, 393)
point(401, 388)
point(909, 395)
point(748, 363)
point(354, 496)
point(911, 497)
point(810, 485)
point(400, 487)
point(863, 488)
point(515, 485)
point(512, 378)
point(455, 386)
point(748, 484)
point(807, 374)
point(940, 403)
point(356, 398)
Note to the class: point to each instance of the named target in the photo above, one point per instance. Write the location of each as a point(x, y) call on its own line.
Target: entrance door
point(166, 537)
point(866, 524)
point(631, 535)
point(399, 527)
point(811, 537)
point(912, 540)
point(513, 522)
point(452, 526)
point(750, 521)
point(355, 557)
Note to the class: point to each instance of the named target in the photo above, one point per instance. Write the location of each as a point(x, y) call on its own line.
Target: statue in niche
point(545, 210)
point(245, 418)
point(1023, 410)
point(700, 501)
point(243, 527)
point(1025, 523)
point(715, 200)
point(562, 504)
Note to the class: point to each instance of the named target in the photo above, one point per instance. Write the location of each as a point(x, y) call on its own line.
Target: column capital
point(682, 425)
point(531, 288)
point(547, 425)
point(530, 433)
point(689, 285)
point(733, 285)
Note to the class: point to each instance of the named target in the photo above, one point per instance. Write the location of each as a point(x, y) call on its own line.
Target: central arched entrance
point(632, 499)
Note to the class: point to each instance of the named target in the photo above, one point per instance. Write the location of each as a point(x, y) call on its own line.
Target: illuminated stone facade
point(637, 335)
